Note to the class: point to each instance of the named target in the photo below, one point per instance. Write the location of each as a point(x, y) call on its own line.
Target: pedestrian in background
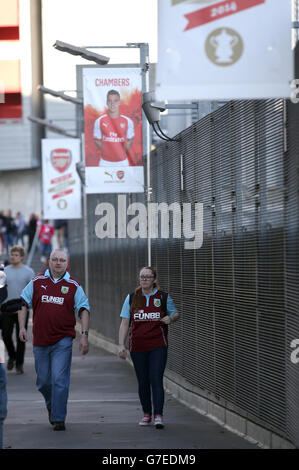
point(46, 233)
point(60, 226)
point(56, 299)
point(20, 228)
point(17, 277)
point(2, 232)
point(10, 232)
point(148, 312)
point(31, 229)
point(3, 394)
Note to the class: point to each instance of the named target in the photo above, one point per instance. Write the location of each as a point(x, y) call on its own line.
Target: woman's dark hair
point(137, 301)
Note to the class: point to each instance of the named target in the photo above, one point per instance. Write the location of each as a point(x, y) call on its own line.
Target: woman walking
point(147, 314)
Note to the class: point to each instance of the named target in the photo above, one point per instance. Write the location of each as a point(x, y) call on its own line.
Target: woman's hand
point(170, 319)
point(166, 320)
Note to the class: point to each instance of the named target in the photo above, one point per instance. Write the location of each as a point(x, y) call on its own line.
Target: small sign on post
point(61, 183)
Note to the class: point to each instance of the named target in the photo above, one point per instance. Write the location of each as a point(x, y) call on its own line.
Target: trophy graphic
point(224, 46)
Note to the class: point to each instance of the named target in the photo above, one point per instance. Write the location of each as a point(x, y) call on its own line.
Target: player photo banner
point(223, 50)
point(61, 183)
point(113, 130)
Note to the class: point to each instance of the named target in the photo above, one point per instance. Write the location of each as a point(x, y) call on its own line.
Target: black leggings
point(9, 321)
point(149, 367)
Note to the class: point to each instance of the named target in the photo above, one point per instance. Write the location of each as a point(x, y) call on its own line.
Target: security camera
point(152, 112)
point(161, 106)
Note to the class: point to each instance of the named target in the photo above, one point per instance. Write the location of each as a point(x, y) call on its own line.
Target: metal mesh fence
point(238, 293)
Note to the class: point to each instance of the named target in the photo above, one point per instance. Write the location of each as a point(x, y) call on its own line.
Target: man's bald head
point(58, 262)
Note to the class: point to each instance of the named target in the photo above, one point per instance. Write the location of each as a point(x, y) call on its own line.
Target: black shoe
point(19, 370)
point(10, 364)
point(59, 426)
point(49, 414)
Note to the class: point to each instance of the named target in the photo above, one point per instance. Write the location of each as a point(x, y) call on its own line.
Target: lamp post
point(102, 60)
point(98, 59)
point(144, 64)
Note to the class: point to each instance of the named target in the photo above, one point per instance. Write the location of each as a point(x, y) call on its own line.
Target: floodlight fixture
point(81, 51)
point(52, 127)
point(59, 94)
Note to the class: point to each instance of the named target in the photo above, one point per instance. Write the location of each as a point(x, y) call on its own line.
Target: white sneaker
point(146, 420)
point(158, 422)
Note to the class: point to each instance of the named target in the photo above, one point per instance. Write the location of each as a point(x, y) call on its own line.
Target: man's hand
point(23, 335)
point(122, 352)
point(83, 345)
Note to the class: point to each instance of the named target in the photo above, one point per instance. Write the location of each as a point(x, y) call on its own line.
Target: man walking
point(17, 277)
point(56, 299)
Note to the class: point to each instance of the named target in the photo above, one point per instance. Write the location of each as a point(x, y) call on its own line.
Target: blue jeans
point(53, 369)
point(46, 249)
point(8, 240)
point(149, 367)
point(3, 401)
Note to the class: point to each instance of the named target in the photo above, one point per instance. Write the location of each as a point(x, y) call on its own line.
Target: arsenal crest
point(120, 174)
point(61, 159)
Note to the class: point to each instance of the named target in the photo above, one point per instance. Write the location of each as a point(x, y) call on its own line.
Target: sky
point(94, 23)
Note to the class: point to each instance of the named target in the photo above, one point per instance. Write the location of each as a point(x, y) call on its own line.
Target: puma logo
point(44, 287)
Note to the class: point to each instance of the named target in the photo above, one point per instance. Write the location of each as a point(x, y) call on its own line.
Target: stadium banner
point(113, 130)
point(224, 50)
point(61, 183)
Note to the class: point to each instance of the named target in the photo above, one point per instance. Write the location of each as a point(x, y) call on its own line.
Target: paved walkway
point(103, 412)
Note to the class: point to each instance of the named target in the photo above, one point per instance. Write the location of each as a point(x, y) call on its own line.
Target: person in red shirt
point(148, 317)
point(114, 133)
point(45, 235)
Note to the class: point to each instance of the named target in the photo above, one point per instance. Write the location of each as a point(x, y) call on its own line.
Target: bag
point(12, 306)
point(3, 293)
